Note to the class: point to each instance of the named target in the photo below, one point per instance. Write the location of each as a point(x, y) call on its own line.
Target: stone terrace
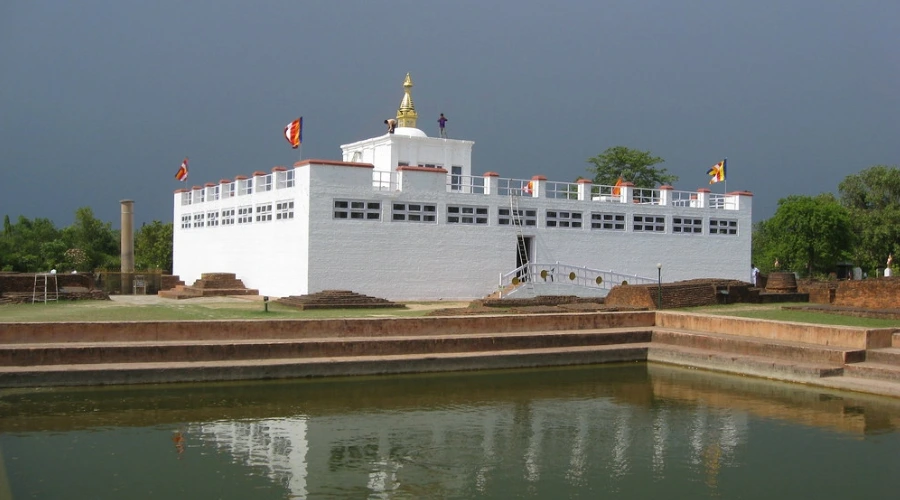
point(50, 354)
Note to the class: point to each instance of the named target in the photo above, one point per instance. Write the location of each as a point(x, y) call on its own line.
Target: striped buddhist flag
point(294, 132)
point(182, 173)
point(717, 172)
point(617, 189)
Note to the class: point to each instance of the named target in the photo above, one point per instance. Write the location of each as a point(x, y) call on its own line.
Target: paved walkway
point(156, 299)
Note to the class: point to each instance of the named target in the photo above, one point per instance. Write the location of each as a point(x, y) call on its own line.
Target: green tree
point(30, 245)
point(807, 233)
point(97, 239)
point(873, 199)
point(631, 165)
point(153, 246)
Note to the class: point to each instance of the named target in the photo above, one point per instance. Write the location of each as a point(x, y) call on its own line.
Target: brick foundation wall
point(820, 292)
point(879, 293)
point(689, 293)
point(24, 282)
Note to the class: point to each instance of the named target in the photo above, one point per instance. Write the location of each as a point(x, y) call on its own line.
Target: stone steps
point(763, 347)
point(205, 371)
point(759, 366)
point(873, 370)
point(887, 355)
point(75, 353)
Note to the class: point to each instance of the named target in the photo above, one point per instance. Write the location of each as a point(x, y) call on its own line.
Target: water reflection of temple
point(505, 433)
point(448, 450)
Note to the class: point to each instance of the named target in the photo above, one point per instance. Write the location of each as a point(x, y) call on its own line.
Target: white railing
point(719, 201)
point(473, 184)
point(684, 199)
point(564, 274)
point(644, 196)
point(561, 190)
point(601, 192)
point(480, 185)
point(514, 187)
point(385, 181)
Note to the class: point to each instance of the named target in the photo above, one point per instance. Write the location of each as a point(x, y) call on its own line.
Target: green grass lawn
point(95, 310)
point(776, 312)
point(89, 310)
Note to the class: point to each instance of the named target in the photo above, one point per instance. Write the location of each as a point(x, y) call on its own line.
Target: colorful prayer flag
point(294, 132)
point(182, 173)
point(717, 172)
point(617, 189)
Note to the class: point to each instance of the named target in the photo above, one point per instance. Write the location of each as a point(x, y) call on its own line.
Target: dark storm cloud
point(101, 100)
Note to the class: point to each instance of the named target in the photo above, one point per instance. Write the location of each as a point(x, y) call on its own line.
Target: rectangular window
point(245, 215)
point(264, 183)
point(245, 187)
point(523, 217)
point(357, 210)
point(185, 198)
point(228, 217)
point(212, 219)
point(462, 214)
point(198, 220)
point(608, 221)
point(229, 190)
point(284, 210)
point(264, 212)
point(649, 223)
point(284, 179)
point(186, 221)
point(199, 195)
point(687, 225)
point(564, 219)
point(723, 226)
point(414, 212)
point(212, 193)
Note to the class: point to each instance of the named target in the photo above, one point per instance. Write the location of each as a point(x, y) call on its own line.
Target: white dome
point(409, 131)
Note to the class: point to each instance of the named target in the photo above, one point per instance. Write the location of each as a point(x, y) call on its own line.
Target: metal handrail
point(571, 275)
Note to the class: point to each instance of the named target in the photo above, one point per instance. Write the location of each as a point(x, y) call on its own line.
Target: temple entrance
point(524, 245)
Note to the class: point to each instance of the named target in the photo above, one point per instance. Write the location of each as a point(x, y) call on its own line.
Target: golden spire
point(406, 113)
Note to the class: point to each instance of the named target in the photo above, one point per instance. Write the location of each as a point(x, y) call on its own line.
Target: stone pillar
point(491, 183)
point(665, 195)
point(127, 246)
point(584, 189)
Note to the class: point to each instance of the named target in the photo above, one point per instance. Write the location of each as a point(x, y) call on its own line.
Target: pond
point(630, 431)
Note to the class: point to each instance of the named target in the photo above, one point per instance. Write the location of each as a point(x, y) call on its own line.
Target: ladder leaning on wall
point(516, 219)
point(45, 288)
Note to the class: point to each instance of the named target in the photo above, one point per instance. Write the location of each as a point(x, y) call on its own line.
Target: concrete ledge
point(842, 336)
point(745, 365)
point(153, 373)
point(161, 331)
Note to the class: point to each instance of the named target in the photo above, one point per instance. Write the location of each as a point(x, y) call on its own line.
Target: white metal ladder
point(516, 218)
point(45, 288)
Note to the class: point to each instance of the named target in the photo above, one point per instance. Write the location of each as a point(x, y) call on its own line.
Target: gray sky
point(101, 100)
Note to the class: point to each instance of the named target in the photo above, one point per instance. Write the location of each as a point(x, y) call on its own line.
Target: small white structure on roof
point(402, 217)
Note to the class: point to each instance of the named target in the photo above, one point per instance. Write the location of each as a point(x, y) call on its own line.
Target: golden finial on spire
point(406, 113)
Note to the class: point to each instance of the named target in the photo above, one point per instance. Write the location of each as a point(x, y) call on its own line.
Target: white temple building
point(403, 217)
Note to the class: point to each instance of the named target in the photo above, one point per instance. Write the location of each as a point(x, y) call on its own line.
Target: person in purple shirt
point(442, 121)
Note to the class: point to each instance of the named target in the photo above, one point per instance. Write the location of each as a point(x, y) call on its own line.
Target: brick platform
point(337, 299)
point(210, 285)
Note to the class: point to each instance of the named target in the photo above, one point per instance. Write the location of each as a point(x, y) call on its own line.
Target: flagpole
point(725, 174)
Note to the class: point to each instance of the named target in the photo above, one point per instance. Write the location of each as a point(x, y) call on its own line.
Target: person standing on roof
point(391, 123)
point(442, 122)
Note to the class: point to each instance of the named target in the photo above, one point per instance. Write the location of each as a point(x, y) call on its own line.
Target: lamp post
point(659, 286)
